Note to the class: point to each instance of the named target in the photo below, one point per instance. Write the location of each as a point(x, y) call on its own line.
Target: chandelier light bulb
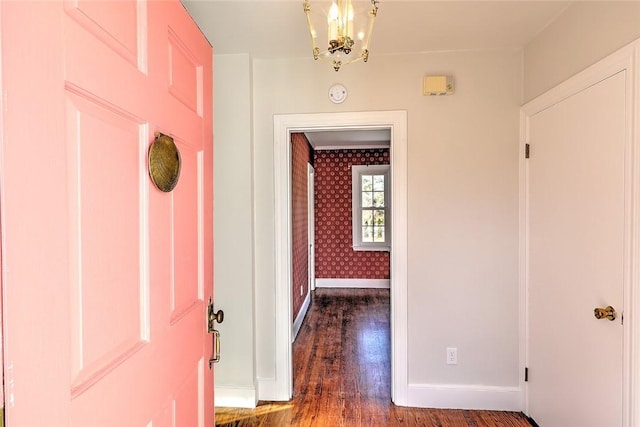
point(333, 22)
point(349, 20)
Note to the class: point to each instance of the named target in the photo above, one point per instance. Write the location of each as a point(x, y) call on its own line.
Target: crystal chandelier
point(346, 32)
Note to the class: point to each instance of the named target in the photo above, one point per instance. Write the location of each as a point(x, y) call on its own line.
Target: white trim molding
point(449, 396)
point(281, 386)
point(235, 397)
point(632, 362)
point(297, 324)
point(523, 262)
point(270, 389)
point(353, 283)
point(625, 60)
point(357, 208)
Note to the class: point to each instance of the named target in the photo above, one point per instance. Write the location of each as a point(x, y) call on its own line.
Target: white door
point(105, 278)
point(578, 236)
point(312, 227)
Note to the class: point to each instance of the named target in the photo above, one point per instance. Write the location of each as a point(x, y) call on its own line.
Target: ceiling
point(277, 28)
point(272, 29)
point(339, 139)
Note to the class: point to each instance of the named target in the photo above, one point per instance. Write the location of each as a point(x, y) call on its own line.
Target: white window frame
point(356, 211)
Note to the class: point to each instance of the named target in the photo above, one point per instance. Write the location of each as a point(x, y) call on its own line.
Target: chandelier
point(347, 33)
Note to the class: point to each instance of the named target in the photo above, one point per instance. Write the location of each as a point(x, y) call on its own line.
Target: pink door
point(105, 278)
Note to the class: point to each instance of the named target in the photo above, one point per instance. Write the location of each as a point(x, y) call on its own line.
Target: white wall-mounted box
point(437, 85)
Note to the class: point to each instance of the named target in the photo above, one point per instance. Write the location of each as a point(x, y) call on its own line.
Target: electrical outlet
point(452, 356)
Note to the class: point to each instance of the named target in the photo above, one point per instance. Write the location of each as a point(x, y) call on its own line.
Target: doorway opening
point(284, 126)
point(344, 239)
point(352, 247)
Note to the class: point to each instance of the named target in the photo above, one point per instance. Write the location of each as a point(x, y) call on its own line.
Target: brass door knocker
point(164, 163)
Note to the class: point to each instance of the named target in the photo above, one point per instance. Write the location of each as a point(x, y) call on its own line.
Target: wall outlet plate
point(452, 356)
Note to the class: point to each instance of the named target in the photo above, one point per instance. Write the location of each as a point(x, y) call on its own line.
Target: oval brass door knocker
point(164, 162)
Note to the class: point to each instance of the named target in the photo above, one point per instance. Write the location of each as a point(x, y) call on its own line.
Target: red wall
point(301, 155)
point(335, 258)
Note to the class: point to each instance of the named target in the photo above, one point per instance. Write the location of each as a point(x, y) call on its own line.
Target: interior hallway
point(342, 374)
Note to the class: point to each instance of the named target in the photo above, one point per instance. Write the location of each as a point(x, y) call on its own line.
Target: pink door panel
point(105, 267)
point(117, 272)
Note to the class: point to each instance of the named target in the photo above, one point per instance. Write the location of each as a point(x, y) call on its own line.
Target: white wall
point(233, 219)
point(463, 194)
point(463, 202)
point(583, 34)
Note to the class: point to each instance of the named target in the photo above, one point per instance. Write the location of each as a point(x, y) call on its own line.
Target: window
point(371, 207)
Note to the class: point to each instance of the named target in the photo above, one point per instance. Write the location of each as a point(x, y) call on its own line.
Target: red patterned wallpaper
point(335, 258)
point(301, 155)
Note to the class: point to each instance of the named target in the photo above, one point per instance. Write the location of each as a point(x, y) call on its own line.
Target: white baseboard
point(235, 397)
point(297, 324)
point(446, 396)
point(353, 283)
point(272, 390)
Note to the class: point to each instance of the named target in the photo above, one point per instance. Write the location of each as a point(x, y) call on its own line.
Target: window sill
point(376, 248)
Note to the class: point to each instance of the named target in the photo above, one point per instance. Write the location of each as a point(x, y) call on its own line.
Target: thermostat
point(437, 85)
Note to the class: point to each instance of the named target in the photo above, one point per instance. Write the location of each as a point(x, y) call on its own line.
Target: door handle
point(215, 358)
point(211, 319)
point(605, 313)
point(218, 316)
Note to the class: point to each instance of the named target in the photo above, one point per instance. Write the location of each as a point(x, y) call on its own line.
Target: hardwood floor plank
point(342, 374)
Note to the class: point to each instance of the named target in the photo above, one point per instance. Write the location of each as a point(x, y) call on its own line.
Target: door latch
point(211, 319)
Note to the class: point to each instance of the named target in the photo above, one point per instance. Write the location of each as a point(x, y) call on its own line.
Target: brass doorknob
point(218, 316)
point(212, 316)
point(608, 312)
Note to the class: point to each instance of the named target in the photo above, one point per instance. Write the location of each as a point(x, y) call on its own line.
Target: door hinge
point(526, 374)
point(527, 150)
point(622, 318)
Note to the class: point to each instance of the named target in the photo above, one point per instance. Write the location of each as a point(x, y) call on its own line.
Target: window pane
point(378, 199)
point(367, 234)
point(378, 183)
point(370, 205)
point(367, 200)
point(367, 182)
point(367, 217)
point(378, 217)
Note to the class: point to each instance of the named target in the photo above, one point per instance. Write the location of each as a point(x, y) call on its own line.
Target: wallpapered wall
point(301, 155)
point(335, 258)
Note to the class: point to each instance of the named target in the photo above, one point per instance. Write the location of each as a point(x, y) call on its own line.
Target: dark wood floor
point(342, 373)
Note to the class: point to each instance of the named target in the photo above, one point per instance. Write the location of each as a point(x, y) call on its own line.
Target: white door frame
point(311, 233)
point(283, 126)
point(626, 59)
